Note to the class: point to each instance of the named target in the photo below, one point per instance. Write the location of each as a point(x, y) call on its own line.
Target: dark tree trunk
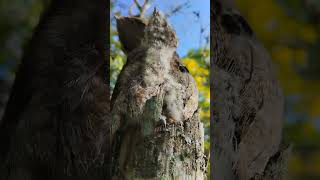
point(56, 123)
point(247, 102)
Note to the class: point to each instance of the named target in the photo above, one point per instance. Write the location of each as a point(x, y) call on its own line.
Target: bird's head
point(158, 32)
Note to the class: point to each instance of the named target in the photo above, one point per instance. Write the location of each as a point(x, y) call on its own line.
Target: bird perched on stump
point(153, 87)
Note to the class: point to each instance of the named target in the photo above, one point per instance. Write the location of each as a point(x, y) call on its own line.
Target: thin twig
point(176, 9)
point(142, 8)
point(130, 9)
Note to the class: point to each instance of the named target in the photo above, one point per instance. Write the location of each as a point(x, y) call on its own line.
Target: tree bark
point(247, 102)
point(57, 119)
point(151, 148)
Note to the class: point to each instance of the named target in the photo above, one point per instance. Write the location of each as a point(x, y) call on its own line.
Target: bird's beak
point(117, 17)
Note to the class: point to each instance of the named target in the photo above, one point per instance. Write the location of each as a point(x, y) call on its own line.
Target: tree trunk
point(159, 145)
point(175, 152)
point(57, 119)
point(247, 102)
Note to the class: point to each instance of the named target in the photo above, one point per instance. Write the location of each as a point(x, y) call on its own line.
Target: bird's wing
point(131, 32)
point(118, 86)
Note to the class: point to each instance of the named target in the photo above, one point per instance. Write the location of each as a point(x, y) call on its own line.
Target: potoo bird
point(248, 102)
point(154, 88)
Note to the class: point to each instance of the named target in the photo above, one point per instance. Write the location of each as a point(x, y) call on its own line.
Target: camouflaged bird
point(248, 103)
point(154, 88)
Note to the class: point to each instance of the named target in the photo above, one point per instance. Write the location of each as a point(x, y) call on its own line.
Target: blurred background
point(17, 21)
point(289, 29)
point(190, 19)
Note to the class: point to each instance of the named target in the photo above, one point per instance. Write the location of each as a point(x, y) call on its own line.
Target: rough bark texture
point(56, 122)
point(247, 102)
point(157, 131)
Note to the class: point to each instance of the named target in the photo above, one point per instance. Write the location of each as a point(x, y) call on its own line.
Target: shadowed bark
point(247, 116)
point(56, 123)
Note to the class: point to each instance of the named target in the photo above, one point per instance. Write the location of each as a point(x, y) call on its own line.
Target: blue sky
point(185, 23)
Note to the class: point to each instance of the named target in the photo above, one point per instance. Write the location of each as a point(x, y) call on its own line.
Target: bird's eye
point(183, 69)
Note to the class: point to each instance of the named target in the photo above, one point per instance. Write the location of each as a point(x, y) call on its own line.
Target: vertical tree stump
point(174, 153)
point(157, 148)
